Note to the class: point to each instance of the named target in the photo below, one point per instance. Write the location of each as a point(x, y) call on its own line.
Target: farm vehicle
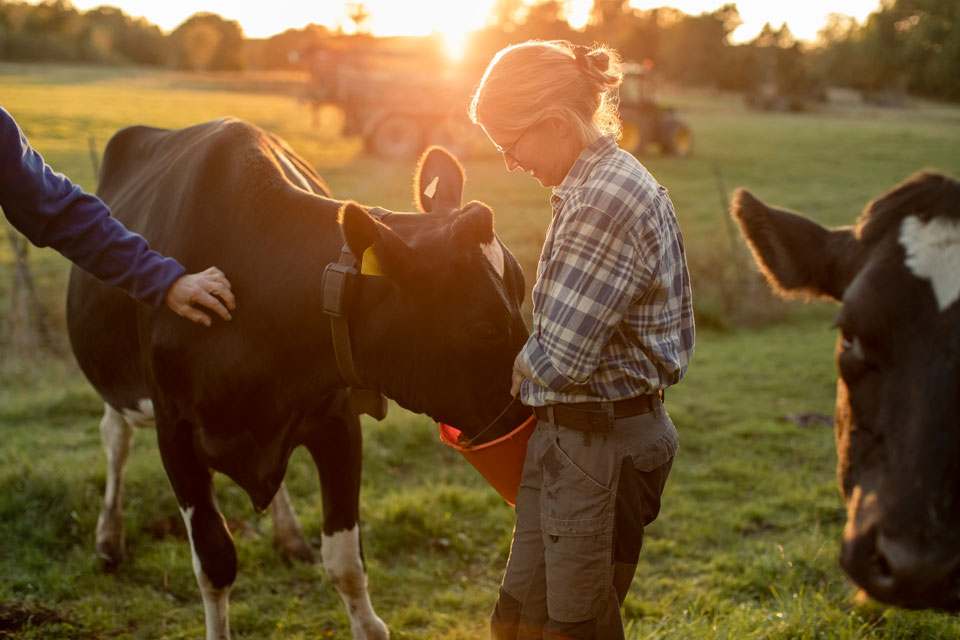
point(398, 113)
point(644, 121)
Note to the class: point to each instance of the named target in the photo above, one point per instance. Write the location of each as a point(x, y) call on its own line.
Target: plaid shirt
point(612, 312)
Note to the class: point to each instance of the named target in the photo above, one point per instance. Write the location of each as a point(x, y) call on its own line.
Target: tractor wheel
point(680, 141)
point(396, 137)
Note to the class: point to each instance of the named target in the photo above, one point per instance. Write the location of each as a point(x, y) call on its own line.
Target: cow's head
point(438, 326)
point(897, 277)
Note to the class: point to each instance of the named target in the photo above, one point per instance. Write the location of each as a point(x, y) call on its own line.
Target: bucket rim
point(445, 434)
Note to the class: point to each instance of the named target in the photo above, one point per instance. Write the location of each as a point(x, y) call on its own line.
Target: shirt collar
point(584, 164)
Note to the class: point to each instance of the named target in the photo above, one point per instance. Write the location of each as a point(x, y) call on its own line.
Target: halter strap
point(338, 290)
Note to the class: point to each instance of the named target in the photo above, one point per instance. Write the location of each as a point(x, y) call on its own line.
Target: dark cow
point(897, 277)
point(436, 330)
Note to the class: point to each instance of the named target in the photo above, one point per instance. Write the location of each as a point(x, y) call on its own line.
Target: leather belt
point(597, 416)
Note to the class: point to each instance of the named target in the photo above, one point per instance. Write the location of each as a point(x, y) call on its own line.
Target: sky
point(454, 18)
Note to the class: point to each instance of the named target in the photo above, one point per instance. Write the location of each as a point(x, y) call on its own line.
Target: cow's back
point(206, 195)
point(183, 185)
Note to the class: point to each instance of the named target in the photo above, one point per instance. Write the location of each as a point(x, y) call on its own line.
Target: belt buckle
point(599, 421)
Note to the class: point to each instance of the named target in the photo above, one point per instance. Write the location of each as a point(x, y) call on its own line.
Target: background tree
point(207, 42)
point(109, 34)
point(694, 48)
point(835, 59)
point(634, 33)
point(45, 31)
point(291, 49)
point(928, 34)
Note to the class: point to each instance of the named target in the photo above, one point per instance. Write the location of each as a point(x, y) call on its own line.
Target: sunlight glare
point(455, 20)
point(455, 42)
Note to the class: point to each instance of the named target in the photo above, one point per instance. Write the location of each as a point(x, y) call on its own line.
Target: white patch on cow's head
point(292, 170)
point(494, 253)
point(933, 253)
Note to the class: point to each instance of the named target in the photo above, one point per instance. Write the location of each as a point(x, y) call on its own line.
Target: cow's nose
point(916, 567)
point(909, 572)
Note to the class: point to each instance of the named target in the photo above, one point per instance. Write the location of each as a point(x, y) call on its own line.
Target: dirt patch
point(17, 616)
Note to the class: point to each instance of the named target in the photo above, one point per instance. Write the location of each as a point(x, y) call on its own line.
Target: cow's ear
point(438, 181)
point(797, 255)
point(474, 225)
point(392, 257)
point(358, 227)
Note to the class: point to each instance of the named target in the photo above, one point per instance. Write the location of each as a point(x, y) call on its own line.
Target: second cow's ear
point(438, 181)
point(795, 254)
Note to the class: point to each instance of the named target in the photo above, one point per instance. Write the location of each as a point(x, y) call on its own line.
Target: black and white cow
point(897, 277)
point(435, 327)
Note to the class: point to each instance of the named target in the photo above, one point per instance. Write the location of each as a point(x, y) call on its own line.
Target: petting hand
point(520, 371)
point(209, 288)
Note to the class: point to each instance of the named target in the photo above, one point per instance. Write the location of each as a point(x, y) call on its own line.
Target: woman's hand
point(209, 289)
point(520, 371)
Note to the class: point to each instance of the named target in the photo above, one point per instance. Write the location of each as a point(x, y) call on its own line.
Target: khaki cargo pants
point(583, 502)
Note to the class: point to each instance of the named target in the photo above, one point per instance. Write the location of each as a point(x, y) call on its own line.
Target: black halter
point(339, 286)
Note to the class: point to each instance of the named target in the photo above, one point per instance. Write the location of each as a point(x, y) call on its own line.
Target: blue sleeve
point(53, 212)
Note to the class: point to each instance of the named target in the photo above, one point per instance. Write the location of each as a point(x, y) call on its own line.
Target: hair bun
point(600, 59)
point(580, 54)
point(591, 58)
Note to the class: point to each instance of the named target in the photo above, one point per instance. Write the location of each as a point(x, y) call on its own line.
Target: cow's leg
point(287, 534)
point(337, 453)
point(211, 545)
point(117, 437)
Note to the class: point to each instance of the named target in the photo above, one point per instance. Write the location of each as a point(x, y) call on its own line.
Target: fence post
point(29, 328)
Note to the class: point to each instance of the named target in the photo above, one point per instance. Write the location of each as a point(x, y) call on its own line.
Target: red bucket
point(499, 461)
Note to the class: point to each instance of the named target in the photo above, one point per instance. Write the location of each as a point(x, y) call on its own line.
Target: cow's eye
point(852, 360)
point(485, 332)
point(847, 342)
point(851, 345)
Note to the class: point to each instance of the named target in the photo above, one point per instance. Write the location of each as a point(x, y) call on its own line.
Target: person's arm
point(50, 211)
point(585, 290)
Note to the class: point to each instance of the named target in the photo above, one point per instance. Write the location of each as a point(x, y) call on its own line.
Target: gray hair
point(528, 81)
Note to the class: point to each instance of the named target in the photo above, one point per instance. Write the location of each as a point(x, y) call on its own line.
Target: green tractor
point(645, 122)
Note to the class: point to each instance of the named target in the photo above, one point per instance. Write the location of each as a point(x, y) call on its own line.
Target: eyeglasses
point(508, 152)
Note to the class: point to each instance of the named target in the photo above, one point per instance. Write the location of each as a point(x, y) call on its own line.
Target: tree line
point(904, 46)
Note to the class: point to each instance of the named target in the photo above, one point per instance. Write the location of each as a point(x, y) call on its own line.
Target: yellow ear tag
point(369, 264)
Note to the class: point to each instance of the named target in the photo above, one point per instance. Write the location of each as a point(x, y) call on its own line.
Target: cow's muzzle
point(916, 570)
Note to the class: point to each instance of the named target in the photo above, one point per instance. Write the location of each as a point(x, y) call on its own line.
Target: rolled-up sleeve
point(53, 212)
point(586, 286)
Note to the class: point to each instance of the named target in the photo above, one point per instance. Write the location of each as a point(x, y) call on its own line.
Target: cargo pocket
point(579, 567)
point(577, 517)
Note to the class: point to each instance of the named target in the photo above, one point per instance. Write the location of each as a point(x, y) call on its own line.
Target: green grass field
point(747, 540)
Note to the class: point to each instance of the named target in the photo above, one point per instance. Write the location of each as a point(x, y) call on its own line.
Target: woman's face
point(546, 149)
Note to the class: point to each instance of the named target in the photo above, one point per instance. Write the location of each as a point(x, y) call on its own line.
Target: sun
point(452, 21)
point(454, 41)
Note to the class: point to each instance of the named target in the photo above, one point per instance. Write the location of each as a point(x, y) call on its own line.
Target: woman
point(51, 211)
point(612, 329)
